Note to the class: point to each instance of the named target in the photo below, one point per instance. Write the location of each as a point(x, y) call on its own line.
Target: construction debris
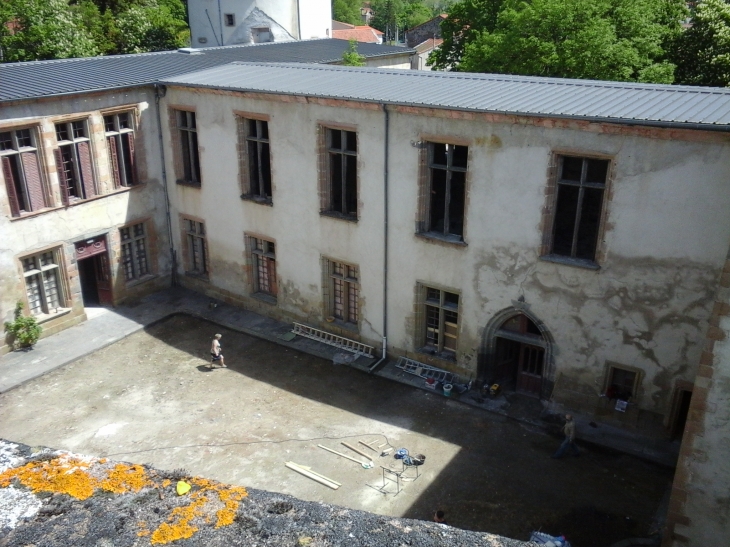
point(366, 465)
point(307, 472)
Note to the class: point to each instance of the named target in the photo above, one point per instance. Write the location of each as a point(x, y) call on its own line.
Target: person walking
point(216, 354)
point(569, 442)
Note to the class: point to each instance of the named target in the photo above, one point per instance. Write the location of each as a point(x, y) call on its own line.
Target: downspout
point(374, 367)
point(212, 28)
point(173, 266)
point(299, 23)
point(220, 22)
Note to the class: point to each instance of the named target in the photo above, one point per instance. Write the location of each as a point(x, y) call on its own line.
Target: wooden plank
point(343, 455)
point(307, 468)
point(314, 476)
point(356, 450)
point(370, 447)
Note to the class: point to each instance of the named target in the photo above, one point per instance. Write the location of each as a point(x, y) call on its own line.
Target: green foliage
point(24, 331)
point(347, 11)
point(42, 29)
point(622, 40)
point(54, 29)
point(351, 57)
point(401, 15)
point(702, 52)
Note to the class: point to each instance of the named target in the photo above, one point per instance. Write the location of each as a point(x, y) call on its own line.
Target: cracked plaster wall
point(62, 226)
point(646, 307)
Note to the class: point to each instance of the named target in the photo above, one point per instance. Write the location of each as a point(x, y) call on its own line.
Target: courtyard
point(150, 398)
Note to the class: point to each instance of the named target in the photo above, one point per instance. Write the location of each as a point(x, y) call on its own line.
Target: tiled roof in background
point(63, 76)
point(618, 102)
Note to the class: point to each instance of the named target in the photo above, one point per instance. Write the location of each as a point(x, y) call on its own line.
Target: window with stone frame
point(135, 258)
point(581, 185)
point(196, 247)
point(444, 192)
point(21, 171)
point(42, 276)
point(74, 161)
point(186, 153)
point(263, 254)
point(338, 175)
point(119, 133)
point(255, 156)
point(344, 292)
point(622, 383)
point(440, 310)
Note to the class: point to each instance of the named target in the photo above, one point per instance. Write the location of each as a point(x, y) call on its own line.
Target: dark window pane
point(252, 130)
point(6, 141)
point(439, 153)
point(124, 121)
point(335, 139)
point(590, 218)
point(597, 170)
point(336, 182)
point(127, 159)
point(571, 168)
point(62, 132)
point(532, 327)
point(351, 185)
point(351, 141)
point(109, 123)
point(24, 139)
point(451, 299)
point(194, 156)
point(186, 157)
point(79, 130)
point(433, 295)
point(456, 203)
point(513, 324)
point(438, 200)
point(565, 211)
point(253, 166)
point(264, 130)
point(191, 120)
point(266, 169)
point(460, 155)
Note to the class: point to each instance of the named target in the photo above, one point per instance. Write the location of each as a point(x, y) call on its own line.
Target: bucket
point(447, 390)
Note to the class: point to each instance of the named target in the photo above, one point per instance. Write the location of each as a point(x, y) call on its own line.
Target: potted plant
point(23, 330)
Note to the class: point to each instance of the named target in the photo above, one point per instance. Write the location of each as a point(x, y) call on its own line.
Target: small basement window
point(230, 19)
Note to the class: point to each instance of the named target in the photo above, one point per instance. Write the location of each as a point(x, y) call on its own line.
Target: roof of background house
point(339, 25)
point(36, 79)
point(616, 102)
point(363, 34)
point(428, 45)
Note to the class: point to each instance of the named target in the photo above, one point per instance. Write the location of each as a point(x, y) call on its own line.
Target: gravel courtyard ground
point(151, 399)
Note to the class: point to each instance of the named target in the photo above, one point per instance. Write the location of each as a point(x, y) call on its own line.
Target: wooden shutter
point(87, 173)
point(62, 179)
point(10, 185)
point(132, 159)
point(33, 182)
point(114, 160)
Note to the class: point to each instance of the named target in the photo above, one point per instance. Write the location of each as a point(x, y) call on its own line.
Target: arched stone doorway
point(517, 354)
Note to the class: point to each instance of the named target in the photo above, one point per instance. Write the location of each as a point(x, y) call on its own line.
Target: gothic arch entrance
point(517, 354)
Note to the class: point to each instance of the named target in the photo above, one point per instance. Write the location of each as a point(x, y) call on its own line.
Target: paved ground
point(150, 399)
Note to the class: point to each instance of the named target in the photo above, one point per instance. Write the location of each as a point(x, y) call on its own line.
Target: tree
point(33, 30)
point(466, 20)
point(351, 57)
point(702, 52)
point(150, 26)
point(347, 11)
point(622, 40)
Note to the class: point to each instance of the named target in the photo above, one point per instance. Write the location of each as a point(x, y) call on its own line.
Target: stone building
point(565, 239)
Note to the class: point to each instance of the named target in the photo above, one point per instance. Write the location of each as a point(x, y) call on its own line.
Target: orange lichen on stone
point(181, 527)
point(65, 475)
point(126, 478)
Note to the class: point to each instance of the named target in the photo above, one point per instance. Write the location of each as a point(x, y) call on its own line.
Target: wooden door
point(103, 278)
point(529, 375)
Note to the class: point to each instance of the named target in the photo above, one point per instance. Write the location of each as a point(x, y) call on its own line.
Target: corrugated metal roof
point(47, 78)
point(643, 104)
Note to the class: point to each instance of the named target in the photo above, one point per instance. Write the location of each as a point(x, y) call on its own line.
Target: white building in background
point(227, 22)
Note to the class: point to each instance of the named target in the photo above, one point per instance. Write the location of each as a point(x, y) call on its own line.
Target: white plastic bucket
point(447, 390)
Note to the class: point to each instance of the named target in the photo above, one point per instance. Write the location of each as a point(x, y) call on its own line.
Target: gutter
point(173, 265)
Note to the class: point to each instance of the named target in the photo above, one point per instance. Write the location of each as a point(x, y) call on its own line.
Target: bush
point(24, 331)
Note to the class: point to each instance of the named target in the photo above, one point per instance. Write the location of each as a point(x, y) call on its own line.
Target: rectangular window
point(621, 384)
point(197, 247)
point(21, 171)
point(341, 180)
point(441, 324)
point(73, 161)
point(42, 283)
point(230, 19)
point(264, 266)
point(447, 166)
point(344, 290)
point(119, 134)
point(134, 251)
point(187, 133)
point(256, 159)
point(581, 184)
